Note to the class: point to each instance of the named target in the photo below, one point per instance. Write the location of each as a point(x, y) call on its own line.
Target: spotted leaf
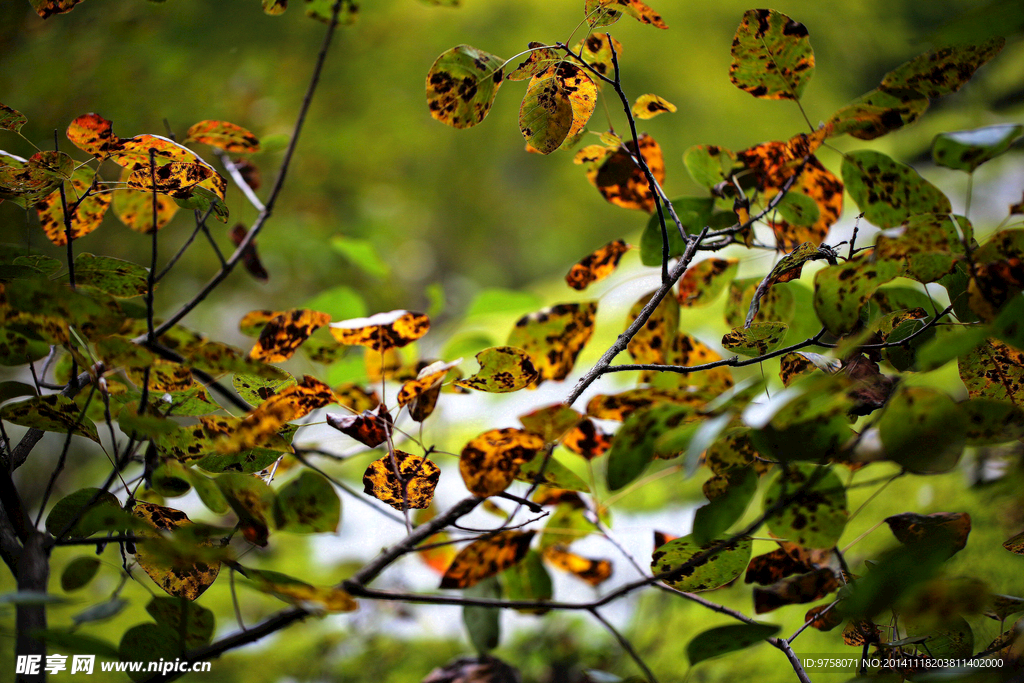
point(50, 413)
point(596, 266)
point(928, 245)
point(942, 71)
point(27, 182)
point(771, 56)
point(428, 379)
point(558, 103)
point(369, 428)
point(250, 257)
point(489, 462)
point(841, 291)
point(634, 8)
point(307, 505)
point(826, 191)
point(411, 488)
point(186, 574)
point(88, 213)
point(11, 119)
point(271, 416)
point(587, 439)
point(502, 369)
point(773, 163)
point(652, 342)
point(596, 50)
point(554, 337)
point(300, 593)
point(461, 86)
point(889, 192)
point(795, 590)
point(703, 282)
point(621, 182)
point(93, 134)
point(539, 59)
point(938, 527)
point(134, 208)
point(252, 501)
point(878, 112)
point(816, 516)
point(282, 335)
point(550, 422)
point(594, 572)
point(648, 106)
point(383, 331)
point(697, 568)
point(622, 405)
point(486, 557)
point(223, 135)
point(756, 340)
point(922, 430)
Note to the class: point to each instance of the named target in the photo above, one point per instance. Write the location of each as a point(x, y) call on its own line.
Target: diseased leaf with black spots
point(266, 420)
point(382, 331)
point(773, 163)
point(633, 447)
point(50, 413)
point(1015, 544)
point(174, 177)
point(164, 376)
point(634, 8)
point(594, 572)
point(252, 501)
point(599, 15)
point(461, 85)
point(648, 106)
point(620, 406)
point(817, 515)
point(943, 71)
point(596, 266)
point(756, 340)
point(772, 567)
point(486, 557)
point(355, 397)
point(182, 576)
point(428, 379)
point(250, 257)
point(771, 56)
point(47, 8)
point(411, 488)
point(728, 494)
point(546, 470)
point(90, 203)
point(652, 343)
point(939, 527)
point(502, 369)
point(117, 277)
point(587, 439)
point(823, 620)
point(554, 337)
point(991, 422)
point(691, 352)
point(255, 389)
point(134, 208)
point(797, 364)
point(134, 154)
point(927, 246)
point(282, 335)
point(841, 291)
point(307, 505)
point(558, 103)
point(860, 632)
point(539, 59)
point(826, 190)
point(11, 119)
point(369, 428)
point(93, 134)
point(223, 135)
point(878, 112)
point(889, 192)
point(489, 462)
point(922, 430)
point(596, 50)
point(28, 182)
point(485, 669)
point(704, 281)
point(550, 422)
point(621, 182)
point(300, 593)
point(704, 571)
point(966, 150)
point(795, 590)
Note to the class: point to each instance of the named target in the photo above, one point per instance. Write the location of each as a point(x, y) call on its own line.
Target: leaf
point(887, 191)
point(134, 208)
point(382, 331)
point(729, 495)
point(558, 103)
point(756, 340)
point(94, 135)
point(275, 7)
point(461, 85)
point(282, 335)
point(250, 257)
point(143, 641)
point(633, 444)
point(621, 182)
point(950, 528)
point(486, 557)
point(652, 342)
point(991, 422)
point(51, 413)
point(709, 165)
point(369, 428)
point(775, 162)
point(102, 514)
point(252, 501)
point(174, 177)
point(634, 8)
point(929, 245)
point(529, 581)
point(704, 570)
point(134, 154)
point(223, 135)
point(554, 337)
point(597, 265)
point(255, 389)
point(555, 474)
point(841, 291)
point(772, 567)
point(198, 624)
point(650, 105)
point(362, 254)
point(725, 639)
point(703, 282)
point(483, 624)
point(550, 422)
point(878, 112)
point(688, 351)
point(922, 430)
point(427, 380)
point(587, 439)
point(489, 462)
point(694, 213)
point(271, 416)
point(594, 572)
point(17, 349)
point(596, 50)
point(966, 150)
point(771, 56)
point(74, 642)
point(27, 183)
point(47, 8)
point(203, 200)
point(598, 14)
point(942, 71)
point(307, 505)
point(1015, 544)
point(119, 278)
point(817, 516)
point(411, 488)
point(11, 119)
point(539, 59)
point(79, 572)
point(826, 191)
point(1003, 606)
point(183, 577)
point(622, 405)
point(795, 590)
point(300, 593)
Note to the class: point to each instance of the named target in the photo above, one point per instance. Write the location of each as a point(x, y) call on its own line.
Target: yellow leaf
point(486, 557)
point(648, 106)
point(490, 462)
point(382, 331)
point(412, 488)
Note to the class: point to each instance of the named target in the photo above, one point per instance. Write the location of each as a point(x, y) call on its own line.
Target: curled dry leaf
point(413, 486)
point(426, 380)
point(250, 257)
point(282, 335)
point(382, 331)
point(369, 428)
point(486, 557)
point(490, 462)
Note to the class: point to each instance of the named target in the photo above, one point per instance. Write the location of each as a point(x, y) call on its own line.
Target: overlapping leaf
point(826, 191)
point(282, 335)
point(621, 182)
point(709, 165)
point(596, 50)
point(705, 569)
point(182, 576)
point(703, 282)
point(461, 85)
point(267, 419)
point(223, 135)
point(652, 343)
point(88, 213)
point(771, 56)
point(134, 208)
point(773, 163)
point(558, 103)
point(427, 380)
point(50, 413)
point(550, 422)
point(489, 462)
point(929, 245)
point(539, 59)
point(486, 557)
point(887, 191)
point(841, 291)
point(756, 340)
point(587, 439)
point(382, 331)
point(554, 337)
point(614, 8)
point(878, 112)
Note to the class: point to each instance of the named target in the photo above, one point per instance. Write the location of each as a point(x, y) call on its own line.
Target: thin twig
point(626, 645)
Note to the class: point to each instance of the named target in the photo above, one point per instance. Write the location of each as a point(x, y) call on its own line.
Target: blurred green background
point(464, 210)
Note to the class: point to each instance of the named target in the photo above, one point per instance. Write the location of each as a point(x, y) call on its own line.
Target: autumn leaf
point(250, 257)
point(797, 589)
point(369, 428)
point(621, 405)
point(878, 112)
point(704, 281)
point(426, 380)
point(27, 182)
point(47, 8)
point(461, 85)
point(596, 50)
point(267, 419)
point(817, 515)
point(771, 56)
point(223, 135)
point(299, 593)
point(594, 572)
point(943, 71)
point(713, 570)
point(134, 208)
point(489, 462)
point(383, 331)
point(841, 291)
point(621, 182)
point(411, 488)
point(554, 337)
point(93, 134)
point(11, 119)
point(550, 422)
point(773, 163)
point(597, 265)
point(756, 340)
point(587, 439)
point(938, 527)
point(90, 202)
point(174, 177)
point(282, 335)
point(502, 369)
point(558, 103)
point(650, 105)
point(826, 191)
point(634, 8)
point(486, 557)
point(539, 59)
point(182, 576)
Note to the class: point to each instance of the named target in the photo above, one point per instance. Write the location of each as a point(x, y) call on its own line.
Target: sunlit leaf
point(282, 335)
point(597, 265)
point(428, 379)
point(594, 572)
point(539, 59)
point(587, 439)
point(771, 56)
point(878, 112)
point(461, 85)
point(203, 200)
point(774, 304)
point(598, 15)
point(51, 413)
point(135, 154)
point(266, 420)
point(841, 291)
point(223, 135)
point(775, 162)
point(554, 337)
point(620, 406)
point(552, 473)
point(650, 105)
point(300, 593)
point(28, 182)
point(502, 369)
point(620, 180)
point(703, 282)
point(174, 177)
point(634, 8)
point(653, 341)
point(411, 488)
point(691, 352)
point(11, 119)
point(558, 103)
point(486, 557)
point(307, 505)
point(93, 134)
point(942, 71)
point(182, 578)
point(550, 422)
point(596, 50)
point(382, 331)
point(708, 572)
point(816, 516)
point(134, 208)
point(756, 340)
point(887, 191)
point(922, 430)
point(489, 462)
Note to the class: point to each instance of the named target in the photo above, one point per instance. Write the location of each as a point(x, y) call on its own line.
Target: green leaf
point(199, 199)
point(725, 639)
point(941, 72)
point(1009, 326)
point(528, 580)
point(922, 430)
point(966, 150)
point(18, 349)
point(887, 191)
point(558, 103)
point(79, 572)
point(895, 572)
point(461, 85)
point(771, 56)
point(247, 462)
point(633, 446)
point(254, 389)
point(308, 505)
point(707, 573)
point(841, 291)
point(502, 369)
point(117, 277)
point(756, 340)
point(724, 510)
point(148, 642)
point(362, 254)
point(199, 621)
point(52, 413)
point(878, 112)
point(928, 245)
point(90, 522)
point(71, 642)
point(555, 474)
point(948, 344)
point(251, 500)
point(11, 389)
point(11, 119)
point(817, 516)
point(993, 370)
point(709, 165)
point(483, 624)
point(694, 213)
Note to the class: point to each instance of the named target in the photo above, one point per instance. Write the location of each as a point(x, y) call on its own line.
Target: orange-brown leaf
point(382, 331)
point(490, 462)
point(818, 183)
point(597, 265)
point(413, 486)
point(86, 217)
point(554, 337)
point(282, 335)
point(265, 421)
point(587, 439)
point(223, 135)
point(773, 163)
point(486, 557)
point(93, 134)
point(369, 428)
point(621, 182)
point(704, 281)
point(428, 379)
point(594, 572)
